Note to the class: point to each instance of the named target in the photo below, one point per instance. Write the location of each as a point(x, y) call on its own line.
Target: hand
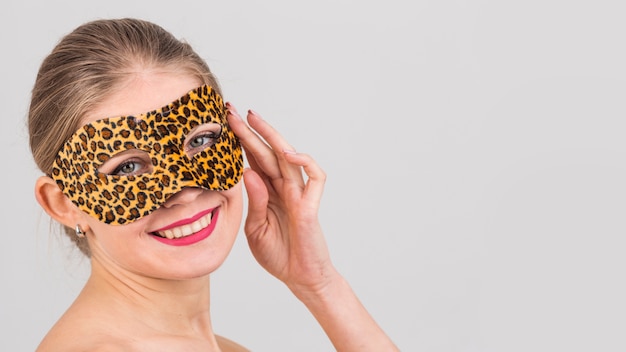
point(282, 225)
point(285, 236)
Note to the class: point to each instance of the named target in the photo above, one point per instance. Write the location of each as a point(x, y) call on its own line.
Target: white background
point(475, 155)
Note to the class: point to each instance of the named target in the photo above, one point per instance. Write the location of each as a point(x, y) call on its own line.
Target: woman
point(143, 162)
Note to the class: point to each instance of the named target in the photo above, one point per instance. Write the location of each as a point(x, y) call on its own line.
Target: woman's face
point(208, 221)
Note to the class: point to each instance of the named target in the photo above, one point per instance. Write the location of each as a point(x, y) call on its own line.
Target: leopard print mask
point(122, 194)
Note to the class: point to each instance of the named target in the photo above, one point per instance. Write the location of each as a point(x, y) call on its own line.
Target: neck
point(177, 307)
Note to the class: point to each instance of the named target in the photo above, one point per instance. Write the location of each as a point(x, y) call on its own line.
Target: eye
point(203, 137)
point(128, 163)
point(201, 140)
point(127, 168)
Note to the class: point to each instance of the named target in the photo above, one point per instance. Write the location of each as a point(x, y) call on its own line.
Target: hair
point(85, 67)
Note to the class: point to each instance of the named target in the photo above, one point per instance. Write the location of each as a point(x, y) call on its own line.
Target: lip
point(185, 221)
point(193, 238)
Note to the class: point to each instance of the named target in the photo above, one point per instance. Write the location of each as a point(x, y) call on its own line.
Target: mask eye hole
point(202, 137)
point(127, 163)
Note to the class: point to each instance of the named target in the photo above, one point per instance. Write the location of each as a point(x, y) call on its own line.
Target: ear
point(55, 203)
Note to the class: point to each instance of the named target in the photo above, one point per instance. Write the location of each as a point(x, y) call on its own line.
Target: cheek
point(235, 202)
point(230, 215)
point(108, 238)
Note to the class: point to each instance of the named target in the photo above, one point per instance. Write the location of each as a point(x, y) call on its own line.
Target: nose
point(184, 196)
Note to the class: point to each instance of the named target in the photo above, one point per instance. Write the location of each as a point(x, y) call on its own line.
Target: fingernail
point(289, 151)
point(255, 114)
point(234, 113)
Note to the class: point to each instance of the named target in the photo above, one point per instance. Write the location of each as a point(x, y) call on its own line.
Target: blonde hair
point(85, 67)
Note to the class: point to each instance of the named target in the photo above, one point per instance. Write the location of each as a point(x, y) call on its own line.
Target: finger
point(316, 177)
point(279, 145)
point(255, 166)
point(258, 198)
point(257, 148)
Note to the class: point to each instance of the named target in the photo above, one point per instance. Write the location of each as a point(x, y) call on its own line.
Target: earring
point(79, 231)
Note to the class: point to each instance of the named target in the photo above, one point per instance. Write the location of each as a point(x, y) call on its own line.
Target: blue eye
point(203, 139)
point(127, 163)
point(127, 168)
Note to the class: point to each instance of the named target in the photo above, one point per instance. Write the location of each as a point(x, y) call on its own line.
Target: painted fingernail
point(255, 114)
point(234, 113)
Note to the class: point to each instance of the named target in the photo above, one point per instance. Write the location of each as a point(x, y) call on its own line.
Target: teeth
point(186, 230)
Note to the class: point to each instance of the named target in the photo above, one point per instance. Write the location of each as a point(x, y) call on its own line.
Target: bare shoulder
point(76, 331)
point(227, 345)
point(56, 343)
point(69, 335)
point(62, 340)
point(69, 343)
point(79, 331)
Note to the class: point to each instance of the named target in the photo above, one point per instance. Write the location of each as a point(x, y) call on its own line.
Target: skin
point(143, 295)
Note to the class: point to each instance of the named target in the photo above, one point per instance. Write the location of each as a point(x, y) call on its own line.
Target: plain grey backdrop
point(474, 149)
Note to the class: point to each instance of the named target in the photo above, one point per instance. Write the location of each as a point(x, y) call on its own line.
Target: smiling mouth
point(186, 229)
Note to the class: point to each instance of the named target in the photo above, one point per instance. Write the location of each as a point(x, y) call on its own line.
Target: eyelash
point(118, 170)
point(211, 136)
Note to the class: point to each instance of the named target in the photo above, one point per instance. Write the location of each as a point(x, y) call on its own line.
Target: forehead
point(143, 92)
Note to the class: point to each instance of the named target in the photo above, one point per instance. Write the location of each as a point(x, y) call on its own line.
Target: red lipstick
point(193, 238)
